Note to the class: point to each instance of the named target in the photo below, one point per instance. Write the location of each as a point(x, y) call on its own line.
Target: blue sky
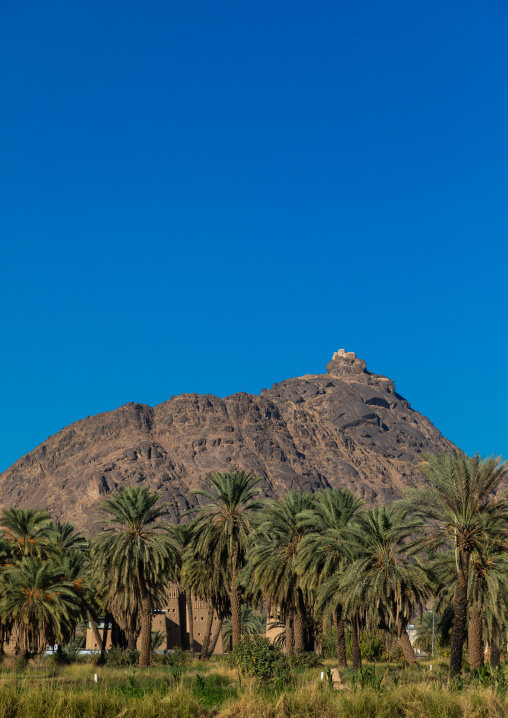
point(213, 196)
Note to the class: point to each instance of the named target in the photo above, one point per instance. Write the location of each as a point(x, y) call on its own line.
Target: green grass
point(45, 690)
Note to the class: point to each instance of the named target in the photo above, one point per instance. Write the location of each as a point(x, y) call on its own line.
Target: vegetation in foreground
point(197, 690)
point(315, 561)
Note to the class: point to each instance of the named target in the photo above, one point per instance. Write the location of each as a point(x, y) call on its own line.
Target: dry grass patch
point(46, 691)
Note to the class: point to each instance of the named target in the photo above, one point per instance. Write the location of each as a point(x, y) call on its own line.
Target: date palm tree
point(41, 606)
point(427, 632)
point(222, 528)
point(30, 534)
point(253, 623)
point(5, 562)
point(494, 601)
point(330, 599)
point(183, 534)
point(136, 554)
point(271, 564)
point(324, 551)
point(26, 531)
point(65, 538)
point(383, 577)
point(465, 513)
point(205, 579)
point(487, 598)
point(74, 568)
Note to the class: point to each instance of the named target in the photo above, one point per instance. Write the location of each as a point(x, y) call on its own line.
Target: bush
point(372, 645)
point(68, 653)
point(327, 641)
point(304, 659)
point(256, 656)
point(175, 657)
point(116, 657)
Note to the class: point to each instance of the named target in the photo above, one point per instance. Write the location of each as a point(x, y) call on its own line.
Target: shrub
point(69, 653)
point(116, 657)
point(175, 657)
point(304, 659)
point(256, 656)
point(372, 645)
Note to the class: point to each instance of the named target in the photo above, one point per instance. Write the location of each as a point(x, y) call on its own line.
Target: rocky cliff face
point(346, 427)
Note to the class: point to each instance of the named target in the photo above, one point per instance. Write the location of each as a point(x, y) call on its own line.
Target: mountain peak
point(345, 427)
point(345, 363)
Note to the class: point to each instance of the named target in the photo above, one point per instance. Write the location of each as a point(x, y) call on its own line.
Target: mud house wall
point(173, 620)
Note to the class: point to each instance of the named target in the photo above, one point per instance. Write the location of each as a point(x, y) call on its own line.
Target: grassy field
point(46, 690)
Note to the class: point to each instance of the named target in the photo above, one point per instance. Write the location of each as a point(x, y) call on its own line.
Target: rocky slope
point(346, 427)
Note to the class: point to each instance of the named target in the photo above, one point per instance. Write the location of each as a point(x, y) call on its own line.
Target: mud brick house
point(173, 620)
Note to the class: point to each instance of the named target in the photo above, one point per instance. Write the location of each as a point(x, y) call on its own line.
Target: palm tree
point(324, 551)
point(222, 528)
point(26, 531)
point(71, 549)
point(330, 602)
point(495, 603)
point(426, 632)
point(183, 534)
point(204, 578)
point(41, 605)
point(136, 555)
point(271, 564)
point(465, 513)
point(124, 607)
point(74, 568)
point(383, 577)
point(5, 562)
point(30, 533)
point(488, 597)
point(65, 538)
point(253, 623)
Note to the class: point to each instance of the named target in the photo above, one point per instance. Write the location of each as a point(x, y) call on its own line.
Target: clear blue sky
point(213, 196)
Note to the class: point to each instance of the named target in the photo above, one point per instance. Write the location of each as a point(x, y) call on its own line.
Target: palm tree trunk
point(116, 634)
point(236, 616)
point(95, 630)
point(190, 614)
point(145, 657)
point(340, 638)
point(475, 638)
point(405, 643)
point(495, 658)
point(357, 653)
point(289, 632)
point(208, 631)
point(298, 628)
point(215, 638)
point(132, 631)
point(460, 615)
point(107, 619)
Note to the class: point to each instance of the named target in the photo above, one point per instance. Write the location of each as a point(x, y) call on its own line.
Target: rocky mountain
point(346, 427)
